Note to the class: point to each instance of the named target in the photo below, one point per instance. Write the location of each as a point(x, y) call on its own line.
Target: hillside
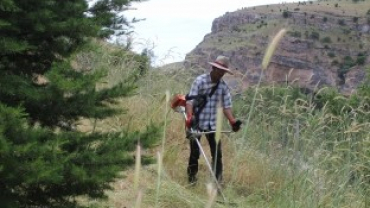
point(326, 44)
point(294, 150)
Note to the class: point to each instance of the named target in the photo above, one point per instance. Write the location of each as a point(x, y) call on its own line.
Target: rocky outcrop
point(324, 46)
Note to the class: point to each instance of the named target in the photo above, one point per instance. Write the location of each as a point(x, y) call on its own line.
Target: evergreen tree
point(39, 90)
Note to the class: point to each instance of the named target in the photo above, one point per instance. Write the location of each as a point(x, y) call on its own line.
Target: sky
point(172, 28)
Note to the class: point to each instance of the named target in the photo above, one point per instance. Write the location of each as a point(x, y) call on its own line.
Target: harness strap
point(200, 108)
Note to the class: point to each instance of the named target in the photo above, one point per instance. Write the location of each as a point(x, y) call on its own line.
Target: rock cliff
point(326, 44)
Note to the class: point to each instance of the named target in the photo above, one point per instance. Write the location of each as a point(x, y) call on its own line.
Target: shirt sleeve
point(226, 97)
point(194, 88)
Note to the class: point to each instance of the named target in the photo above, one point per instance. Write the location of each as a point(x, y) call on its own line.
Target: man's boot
point(192, 179)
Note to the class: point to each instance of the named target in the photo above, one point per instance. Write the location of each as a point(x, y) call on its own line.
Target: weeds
point(299, 151)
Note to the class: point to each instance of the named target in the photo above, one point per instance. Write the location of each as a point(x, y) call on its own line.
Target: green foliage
point(286, 14)
point(296, 34)
point(347, 62)
point(315, 35)
point(341, 22)
point(42, 165)
point(48, 168)
point(326, 40)
point(361, 59)
point(364, 88)
point(29, 26)
point(344, 66)
point(331, 54)
point(319, 125)
point(237, 29)
point(334, 62)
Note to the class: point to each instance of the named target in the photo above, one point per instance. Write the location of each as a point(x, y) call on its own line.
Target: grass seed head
point(271, 49)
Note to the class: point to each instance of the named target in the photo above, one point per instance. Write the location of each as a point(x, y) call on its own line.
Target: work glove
point(235, 124)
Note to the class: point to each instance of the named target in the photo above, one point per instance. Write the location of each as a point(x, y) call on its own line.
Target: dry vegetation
point(333, 7)
point(261, 169)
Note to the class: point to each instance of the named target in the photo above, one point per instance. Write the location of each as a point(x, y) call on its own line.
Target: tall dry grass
point(290, 154)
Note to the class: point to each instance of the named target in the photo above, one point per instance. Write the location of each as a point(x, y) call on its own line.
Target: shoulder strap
point(213, 89)
point(200, 108)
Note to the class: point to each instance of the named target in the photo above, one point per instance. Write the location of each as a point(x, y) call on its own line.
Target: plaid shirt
point(203, 85)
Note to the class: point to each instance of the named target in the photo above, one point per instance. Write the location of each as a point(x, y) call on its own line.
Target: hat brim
point(221, 67)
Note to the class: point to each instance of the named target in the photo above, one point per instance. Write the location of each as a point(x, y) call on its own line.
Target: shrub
point(346, 31)
point(361, 58)
point(235, 28)
point(286, 14)
point(296, 34)
point(306, 34)
point(326, 40)
point(347, 63)
point(331, 54)
point(341, 22)
point(315, 35)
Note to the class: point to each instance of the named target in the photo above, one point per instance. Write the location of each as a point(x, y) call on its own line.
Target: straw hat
point(222, 62)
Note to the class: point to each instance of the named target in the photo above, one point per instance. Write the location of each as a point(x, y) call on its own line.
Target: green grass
point(293, 155)
point(294, 151)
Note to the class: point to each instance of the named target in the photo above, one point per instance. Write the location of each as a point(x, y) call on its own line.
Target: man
point(207, 91)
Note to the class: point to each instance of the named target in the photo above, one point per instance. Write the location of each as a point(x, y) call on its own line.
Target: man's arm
point(229, 115)
point(234, 123)
point(189, 108)
point(189, 104)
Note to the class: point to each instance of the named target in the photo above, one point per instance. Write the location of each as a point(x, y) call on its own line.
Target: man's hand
point(189, 121)
point(235, 125)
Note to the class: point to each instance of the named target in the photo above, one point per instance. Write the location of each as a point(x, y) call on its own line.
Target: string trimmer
point(178, 105)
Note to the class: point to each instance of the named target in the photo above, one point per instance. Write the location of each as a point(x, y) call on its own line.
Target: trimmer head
point(178, 100)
